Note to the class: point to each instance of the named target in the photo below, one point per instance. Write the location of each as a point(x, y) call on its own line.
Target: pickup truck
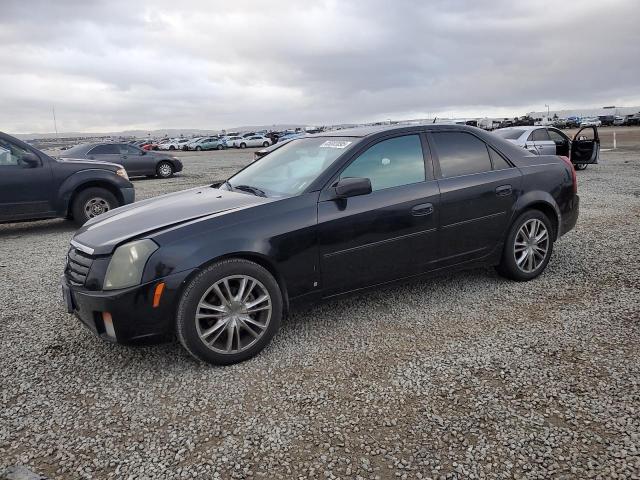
point(35, 186)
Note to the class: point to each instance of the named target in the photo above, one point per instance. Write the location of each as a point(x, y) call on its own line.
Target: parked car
point(254, 141)
point(573, 122)
point(232, 141)
point(137, 162)
point(543, 121)
point(630, 120)
point(35, 186)
point(265, 151)
point(591, 122)
point(580, 150)
point(206, 143)
point(560, 123)
point(607, 120)
point(618, 121)
point(317, 218)
point(174, 144)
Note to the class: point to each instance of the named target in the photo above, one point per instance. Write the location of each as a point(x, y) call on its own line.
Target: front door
point(585, 147)
point(478, 188)
point(25, 190)
point(135, 161)
point(387, 234)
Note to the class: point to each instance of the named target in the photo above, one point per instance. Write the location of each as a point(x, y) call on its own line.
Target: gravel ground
point(461, 376)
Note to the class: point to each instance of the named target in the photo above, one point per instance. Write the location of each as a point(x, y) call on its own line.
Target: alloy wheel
point(96, 206)
point(165, 170)
point(233, 314)
point(531, 245)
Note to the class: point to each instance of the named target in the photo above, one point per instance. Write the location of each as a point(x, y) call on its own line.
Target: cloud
point(198, 64)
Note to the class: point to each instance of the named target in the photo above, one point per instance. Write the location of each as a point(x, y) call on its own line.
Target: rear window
point(510, 133)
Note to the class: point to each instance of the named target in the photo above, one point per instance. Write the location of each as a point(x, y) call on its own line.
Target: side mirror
point(30, 160)
point(353, 187)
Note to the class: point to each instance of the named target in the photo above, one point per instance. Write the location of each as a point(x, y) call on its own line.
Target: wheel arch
point(262, 260)
point(544, 205)
point(73, 193)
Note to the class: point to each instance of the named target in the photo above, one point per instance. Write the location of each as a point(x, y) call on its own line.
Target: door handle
point(503, 190)
point(422, 209)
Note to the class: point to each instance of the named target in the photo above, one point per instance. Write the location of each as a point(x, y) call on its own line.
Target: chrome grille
point(78, 265)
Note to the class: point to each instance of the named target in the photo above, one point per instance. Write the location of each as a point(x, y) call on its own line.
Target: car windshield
point(290, 169)
point(510, 133)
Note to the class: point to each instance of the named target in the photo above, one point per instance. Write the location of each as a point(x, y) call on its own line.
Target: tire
point(581, 166)
point(243, 145)
point(220, 147)
point(265, 144)
point(214, 347)
point(164, 170)
point(511, 265)
point(198, 148)
point(92, 202)
point(172, 147)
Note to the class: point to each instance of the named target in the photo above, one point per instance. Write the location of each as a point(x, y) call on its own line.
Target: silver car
point(541, 140)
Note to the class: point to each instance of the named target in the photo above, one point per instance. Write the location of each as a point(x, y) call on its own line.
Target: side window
point(539, 135)
point(499, 163)
point(105, 149)
point(390, 163)
point(556, 136)
point(129, 150)
point(461, 153)
point(10, 154)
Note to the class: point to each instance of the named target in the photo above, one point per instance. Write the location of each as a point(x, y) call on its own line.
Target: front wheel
point(198, 148)
point(243, 145)
point(229, 312)
point(265, 144)
point(528, 247)
point(164, 170)
point(92, 202)
point(581, 166)
point(220, 147)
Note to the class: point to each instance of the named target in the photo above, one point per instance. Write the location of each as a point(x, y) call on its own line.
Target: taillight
point(573, 173)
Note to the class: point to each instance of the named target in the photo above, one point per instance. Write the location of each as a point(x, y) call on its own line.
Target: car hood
point(102, 234)
point(90, 163)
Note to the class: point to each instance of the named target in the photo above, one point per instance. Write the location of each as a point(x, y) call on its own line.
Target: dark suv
point(35, 186)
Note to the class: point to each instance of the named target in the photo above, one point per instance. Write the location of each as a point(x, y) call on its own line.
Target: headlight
point(127, 264)
point(121, 172)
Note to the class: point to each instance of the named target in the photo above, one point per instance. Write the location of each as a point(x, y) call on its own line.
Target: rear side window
point(390, 163)
point(539, 135)
point(106, 149)
point(499, 163)
point(461, 153)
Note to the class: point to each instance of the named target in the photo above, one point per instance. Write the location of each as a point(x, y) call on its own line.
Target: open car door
point(585, 147)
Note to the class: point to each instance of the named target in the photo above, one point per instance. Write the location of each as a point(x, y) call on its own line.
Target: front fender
point(93, 177)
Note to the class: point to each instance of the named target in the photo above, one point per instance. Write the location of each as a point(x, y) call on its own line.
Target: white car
point(174, 144)
point(232, 141)
point(591, 122)
point(253, 141)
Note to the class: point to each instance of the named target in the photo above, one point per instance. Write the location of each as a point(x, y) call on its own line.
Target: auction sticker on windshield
point(335, 144)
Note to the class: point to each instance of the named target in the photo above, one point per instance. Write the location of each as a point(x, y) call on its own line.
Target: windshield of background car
point(510, 133)
point(290, 169)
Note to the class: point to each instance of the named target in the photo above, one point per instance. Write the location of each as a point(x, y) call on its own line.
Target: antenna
point(55, 125)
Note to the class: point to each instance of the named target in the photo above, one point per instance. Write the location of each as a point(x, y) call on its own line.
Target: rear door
point(389, 233)
point(478, 188)
point(542, 142)
point(106, 152)
point(25, 191)
point(585, 147)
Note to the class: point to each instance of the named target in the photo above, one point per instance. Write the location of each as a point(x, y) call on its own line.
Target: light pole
point(547, 109)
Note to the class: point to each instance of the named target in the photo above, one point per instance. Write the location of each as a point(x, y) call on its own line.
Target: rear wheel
point(243, 145)
point(265, 144)
point(528, 247)
point(164, 170)
point(581, 166)
point(198, 148)
point(229, 312)
point(172, 147)
point(220, 147)
point(92, 202)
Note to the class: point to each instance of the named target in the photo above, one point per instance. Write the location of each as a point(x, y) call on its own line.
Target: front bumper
point(128, 195)
point(131, 309)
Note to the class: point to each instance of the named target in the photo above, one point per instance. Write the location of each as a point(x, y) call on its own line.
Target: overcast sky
point(115, 65)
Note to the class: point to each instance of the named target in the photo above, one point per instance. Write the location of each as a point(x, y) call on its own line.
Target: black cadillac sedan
point(322, 216)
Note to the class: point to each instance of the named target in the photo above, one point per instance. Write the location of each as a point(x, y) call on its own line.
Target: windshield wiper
point(248, 188)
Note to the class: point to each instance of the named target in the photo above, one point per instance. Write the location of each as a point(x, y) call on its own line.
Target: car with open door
point(136, 161)
point(322, 216)
point(582, 150)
